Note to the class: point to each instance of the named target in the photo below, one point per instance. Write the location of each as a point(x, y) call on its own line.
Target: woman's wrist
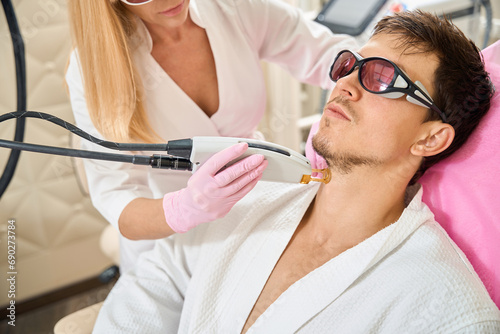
point(144, 219)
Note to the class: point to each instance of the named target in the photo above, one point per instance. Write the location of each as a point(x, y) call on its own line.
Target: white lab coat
point(407, 278)
point(241, 34)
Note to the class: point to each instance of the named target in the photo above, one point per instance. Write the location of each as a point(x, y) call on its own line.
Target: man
point(361, 254)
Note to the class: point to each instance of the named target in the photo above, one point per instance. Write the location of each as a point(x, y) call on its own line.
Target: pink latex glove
point(210, 195)
point(317, 161)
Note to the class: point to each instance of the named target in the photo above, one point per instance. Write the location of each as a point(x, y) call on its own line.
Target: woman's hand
point(317, 161)
point(210, 195)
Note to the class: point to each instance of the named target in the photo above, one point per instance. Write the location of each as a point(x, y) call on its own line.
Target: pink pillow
point(463, 191)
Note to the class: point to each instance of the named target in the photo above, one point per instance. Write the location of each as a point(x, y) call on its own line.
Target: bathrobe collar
point(347, 268)
point(249, 254)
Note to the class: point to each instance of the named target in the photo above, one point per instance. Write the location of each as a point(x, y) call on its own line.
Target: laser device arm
point(284, 165)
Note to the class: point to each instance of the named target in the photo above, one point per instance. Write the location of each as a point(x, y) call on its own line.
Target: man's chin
point(341, 162)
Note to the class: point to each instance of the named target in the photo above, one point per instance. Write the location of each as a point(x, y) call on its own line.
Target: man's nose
point(349, 86)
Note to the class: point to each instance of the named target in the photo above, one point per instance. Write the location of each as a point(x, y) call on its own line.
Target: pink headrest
point(464, 190)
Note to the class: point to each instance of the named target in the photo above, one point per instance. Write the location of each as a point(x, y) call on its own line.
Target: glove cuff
point(174, 213)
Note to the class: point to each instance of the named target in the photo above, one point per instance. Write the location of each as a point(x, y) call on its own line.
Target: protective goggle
point(136, 2)
point(381, 76)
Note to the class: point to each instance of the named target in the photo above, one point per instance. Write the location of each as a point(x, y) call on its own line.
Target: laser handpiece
point(284, 164)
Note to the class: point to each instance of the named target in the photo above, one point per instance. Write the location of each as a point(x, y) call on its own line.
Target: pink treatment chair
point(463, 190)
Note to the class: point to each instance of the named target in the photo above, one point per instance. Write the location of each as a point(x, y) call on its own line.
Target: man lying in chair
point(361, 254)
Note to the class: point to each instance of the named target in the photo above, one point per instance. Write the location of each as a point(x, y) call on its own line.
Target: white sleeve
point(282, 35)
point(112, 185)
point(150, 298)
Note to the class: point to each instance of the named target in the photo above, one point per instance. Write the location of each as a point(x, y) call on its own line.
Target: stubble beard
point(341, 162)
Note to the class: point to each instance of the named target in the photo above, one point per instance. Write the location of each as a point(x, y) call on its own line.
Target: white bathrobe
point(407, 278)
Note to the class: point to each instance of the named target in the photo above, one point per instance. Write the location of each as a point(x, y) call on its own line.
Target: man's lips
point(334, 110)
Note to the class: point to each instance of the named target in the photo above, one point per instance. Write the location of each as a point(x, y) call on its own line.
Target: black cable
point(181, 147)
point(19, 57)
point(179, 151)
point(73, 152)
point(79, 132)
point(155, 161)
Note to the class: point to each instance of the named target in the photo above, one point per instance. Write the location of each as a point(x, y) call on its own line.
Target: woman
point(157, 70)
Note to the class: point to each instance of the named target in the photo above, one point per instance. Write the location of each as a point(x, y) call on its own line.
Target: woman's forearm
point(143, 218)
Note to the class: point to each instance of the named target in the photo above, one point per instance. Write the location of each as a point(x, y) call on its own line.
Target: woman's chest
point(191, 65)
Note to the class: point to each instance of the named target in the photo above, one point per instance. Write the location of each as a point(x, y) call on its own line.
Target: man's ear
point(434, 140)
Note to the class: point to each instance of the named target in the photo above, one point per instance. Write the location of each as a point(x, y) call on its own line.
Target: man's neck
point(351, 208)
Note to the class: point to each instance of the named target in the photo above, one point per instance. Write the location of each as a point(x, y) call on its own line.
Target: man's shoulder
point(427, 283)
point(434, 272)
point(435, 255)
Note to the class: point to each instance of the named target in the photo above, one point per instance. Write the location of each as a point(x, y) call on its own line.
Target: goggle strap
point(419, 94)
point(428, 99)
point(417, 102)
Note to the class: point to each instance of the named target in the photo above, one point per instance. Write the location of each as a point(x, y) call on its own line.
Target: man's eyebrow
point(398, 65)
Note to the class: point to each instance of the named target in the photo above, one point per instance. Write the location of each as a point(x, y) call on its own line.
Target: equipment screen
point(349, 16)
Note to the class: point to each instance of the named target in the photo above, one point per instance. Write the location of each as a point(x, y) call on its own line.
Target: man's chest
point(296, 262)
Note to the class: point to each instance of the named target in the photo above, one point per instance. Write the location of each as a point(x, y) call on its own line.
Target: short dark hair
point(463, 89)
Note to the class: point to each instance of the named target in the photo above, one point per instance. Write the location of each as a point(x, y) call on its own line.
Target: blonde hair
point(101, 32)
